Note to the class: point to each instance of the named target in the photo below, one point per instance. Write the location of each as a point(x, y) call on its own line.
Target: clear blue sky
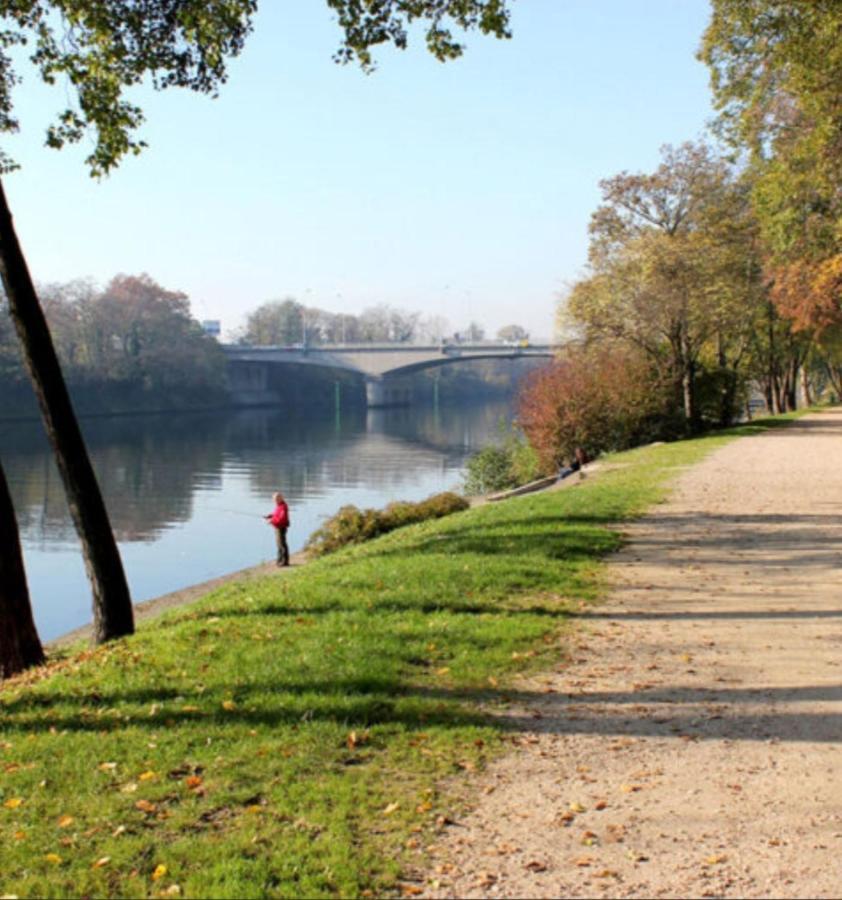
point(461, 189)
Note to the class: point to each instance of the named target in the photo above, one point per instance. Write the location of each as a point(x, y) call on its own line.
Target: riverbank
point(151, 609)
point(306, 735)
point(156, 606)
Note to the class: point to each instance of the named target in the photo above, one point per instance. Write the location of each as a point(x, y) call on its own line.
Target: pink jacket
point(280, 517)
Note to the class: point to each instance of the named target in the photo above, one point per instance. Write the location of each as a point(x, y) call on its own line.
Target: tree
point(674, 271)
point(599, 398)
point(512, 333)
point(276, 323)
point(19, 643)
point(99, 49)
point(776, 70)
point(776, 67)
point(385, 324)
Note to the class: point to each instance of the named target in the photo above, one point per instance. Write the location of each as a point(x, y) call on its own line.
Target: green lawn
point(298, 735)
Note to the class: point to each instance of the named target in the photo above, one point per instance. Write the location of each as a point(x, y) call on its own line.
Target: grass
point(296, 736)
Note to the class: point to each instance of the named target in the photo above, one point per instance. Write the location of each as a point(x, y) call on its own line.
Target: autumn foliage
point(599, 399)
point(809, 293)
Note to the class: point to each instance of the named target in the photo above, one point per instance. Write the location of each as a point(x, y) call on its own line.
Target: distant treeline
point(286, 322)
point(130, 346)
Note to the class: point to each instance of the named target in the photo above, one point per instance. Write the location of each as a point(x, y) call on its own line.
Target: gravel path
point(694, 745)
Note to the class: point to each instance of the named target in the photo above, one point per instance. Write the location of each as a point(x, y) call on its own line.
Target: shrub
point(489, 470)
point(499, 468)
point(599, 399)
point(352, 525)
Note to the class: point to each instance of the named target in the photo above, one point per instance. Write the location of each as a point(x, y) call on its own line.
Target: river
point(186, 492)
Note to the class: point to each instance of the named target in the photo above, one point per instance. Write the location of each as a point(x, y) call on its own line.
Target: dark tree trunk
point(112, 606)
point(20, 647)
point(688, 387)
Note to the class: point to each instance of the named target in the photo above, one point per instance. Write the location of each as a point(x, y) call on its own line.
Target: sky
point(461, 190)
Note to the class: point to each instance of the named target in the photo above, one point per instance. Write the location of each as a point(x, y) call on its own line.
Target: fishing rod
point(236, 512)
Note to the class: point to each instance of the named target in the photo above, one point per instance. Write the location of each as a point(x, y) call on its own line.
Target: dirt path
point(694, 746)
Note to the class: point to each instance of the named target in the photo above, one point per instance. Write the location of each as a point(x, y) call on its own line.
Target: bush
point(599, 399)
point(500, 468)
point(489, 470)
point(352, 525)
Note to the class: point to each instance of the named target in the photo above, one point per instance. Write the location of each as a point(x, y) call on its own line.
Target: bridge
point(377, 364)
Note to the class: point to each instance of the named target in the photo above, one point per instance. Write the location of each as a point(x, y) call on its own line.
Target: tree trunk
point(20, 647)
point(112, 606)
point(806, 387)
point(688, 386)
point(791, 386)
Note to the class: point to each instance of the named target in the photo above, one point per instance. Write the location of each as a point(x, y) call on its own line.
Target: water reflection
point(186, 493)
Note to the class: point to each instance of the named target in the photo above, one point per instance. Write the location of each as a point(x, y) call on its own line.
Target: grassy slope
point(289, 736)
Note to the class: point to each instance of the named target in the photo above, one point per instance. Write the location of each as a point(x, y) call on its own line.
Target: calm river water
point(186, 493)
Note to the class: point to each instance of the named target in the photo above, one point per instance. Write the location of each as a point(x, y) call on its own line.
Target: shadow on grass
point(668, 711)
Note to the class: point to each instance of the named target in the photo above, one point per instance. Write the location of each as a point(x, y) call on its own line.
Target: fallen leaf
point(160, 871)
point(129, 788)
point(120, 829)
point(145, 806)
point(174, 890)
point(411, 890)
point(102, 861)
point(229, 705)
point(107, 766)
point(716, 859)
point(65, 821)
point(13, 802)
point(536, 866)
point(147, 776)
point(392, 807)
point(443, 670)
point(193, 781)
point(19, 835)
point(583, 861)
point(630, 788)
point(576, 807)
point(53, 858)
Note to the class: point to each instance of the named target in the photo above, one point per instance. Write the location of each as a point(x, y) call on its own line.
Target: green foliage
point(98, 50)
point(368, 25)
point(498, 468)
point(489, 470)
point(102, 48)
point(307, 705)
point(352, 525)
point(776, 67)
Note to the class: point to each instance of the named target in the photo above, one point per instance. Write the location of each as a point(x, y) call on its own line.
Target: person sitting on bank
point(566, 469)
point(279, 520)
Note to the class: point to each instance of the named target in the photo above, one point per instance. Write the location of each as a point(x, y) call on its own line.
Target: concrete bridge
point(378, 364)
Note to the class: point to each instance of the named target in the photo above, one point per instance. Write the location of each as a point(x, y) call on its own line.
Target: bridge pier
point(378, 392)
